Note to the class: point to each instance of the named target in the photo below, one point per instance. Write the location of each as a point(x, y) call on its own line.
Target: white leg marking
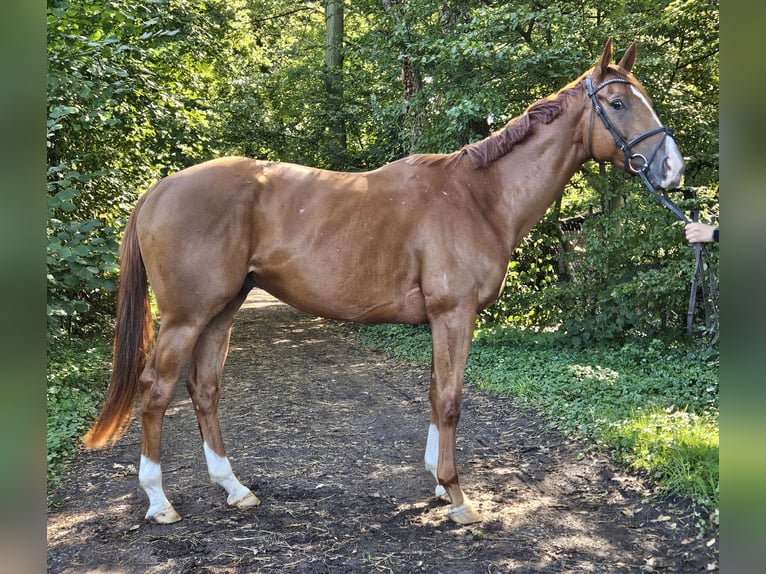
point(432, 459)
point(432, 449)
point(220, 472)
point(150, 478)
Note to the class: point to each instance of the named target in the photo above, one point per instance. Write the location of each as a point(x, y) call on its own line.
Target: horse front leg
point(204, 386)
point(451, 339)
point(432, 443)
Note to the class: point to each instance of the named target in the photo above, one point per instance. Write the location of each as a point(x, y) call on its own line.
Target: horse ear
point(629, 58)
point(606, 59)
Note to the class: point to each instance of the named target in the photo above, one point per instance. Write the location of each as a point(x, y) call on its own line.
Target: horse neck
point(533, 175)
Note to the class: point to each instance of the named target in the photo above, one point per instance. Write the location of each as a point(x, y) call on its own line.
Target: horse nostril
point(674, 162)
point(672, 170)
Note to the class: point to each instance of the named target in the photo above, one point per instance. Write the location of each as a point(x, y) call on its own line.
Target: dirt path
point(330, 436)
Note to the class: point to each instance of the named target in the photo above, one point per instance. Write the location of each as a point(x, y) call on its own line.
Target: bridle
point(641, 167)
point(636, 162)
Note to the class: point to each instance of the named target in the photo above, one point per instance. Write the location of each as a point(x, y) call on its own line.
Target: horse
point(423, 239)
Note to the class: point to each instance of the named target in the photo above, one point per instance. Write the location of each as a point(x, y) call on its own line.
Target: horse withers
point(425, 239)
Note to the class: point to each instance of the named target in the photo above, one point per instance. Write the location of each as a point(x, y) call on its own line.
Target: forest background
point(138, 90)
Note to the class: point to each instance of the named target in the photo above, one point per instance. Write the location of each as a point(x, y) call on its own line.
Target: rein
point(642, 170)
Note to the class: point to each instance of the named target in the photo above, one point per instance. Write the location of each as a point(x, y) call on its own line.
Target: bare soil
point(330, 436)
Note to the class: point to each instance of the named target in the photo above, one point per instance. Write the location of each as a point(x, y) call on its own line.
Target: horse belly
point(407, 309)
point(344, 290)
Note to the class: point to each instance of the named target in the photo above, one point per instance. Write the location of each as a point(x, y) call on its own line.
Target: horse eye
point(617, 104)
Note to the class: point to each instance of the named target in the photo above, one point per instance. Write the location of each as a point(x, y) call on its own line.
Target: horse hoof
point(247, 501)
point(441, 493)
point(463, 514)
point(166, 516)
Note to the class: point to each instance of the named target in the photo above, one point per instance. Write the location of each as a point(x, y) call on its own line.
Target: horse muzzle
point(664, 166)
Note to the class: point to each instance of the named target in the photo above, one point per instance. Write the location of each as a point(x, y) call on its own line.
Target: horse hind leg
point(173, 348)
point(204, 386)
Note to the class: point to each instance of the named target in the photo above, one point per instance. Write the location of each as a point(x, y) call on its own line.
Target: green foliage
point(410, 342)
point(532, 277)
point(628, 275)
point(81, 257)
point(81, 272)
point(77, 373)
point(119, 115)
point(677, 448)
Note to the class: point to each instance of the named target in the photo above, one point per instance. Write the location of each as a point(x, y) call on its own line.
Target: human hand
point(699, 232)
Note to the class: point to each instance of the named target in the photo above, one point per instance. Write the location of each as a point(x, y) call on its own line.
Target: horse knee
point(448, 411)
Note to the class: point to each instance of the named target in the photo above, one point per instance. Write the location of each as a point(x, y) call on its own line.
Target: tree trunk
point(412, 82)
point(333, 63)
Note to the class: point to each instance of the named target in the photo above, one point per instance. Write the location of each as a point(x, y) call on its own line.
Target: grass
point(77, 375)
point(653, 404)
point(679, 448)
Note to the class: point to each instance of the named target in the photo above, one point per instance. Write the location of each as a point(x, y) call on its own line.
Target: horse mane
point(484, 152)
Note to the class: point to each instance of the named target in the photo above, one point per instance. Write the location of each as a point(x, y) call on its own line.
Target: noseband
point(636, 162)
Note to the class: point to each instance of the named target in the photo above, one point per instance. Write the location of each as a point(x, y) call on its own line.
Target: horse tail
point(134, 335)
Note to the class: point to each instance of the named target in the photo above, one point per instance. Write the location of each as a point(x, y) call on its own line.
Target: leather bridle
point(635, 162)
point(626, 147)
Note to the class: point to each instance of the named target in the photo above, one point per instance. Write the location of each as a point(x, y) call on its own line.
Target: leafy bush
point(81, 264)
point(531, 274)
point(629, 275)
point(78, 371)
point(116, 121)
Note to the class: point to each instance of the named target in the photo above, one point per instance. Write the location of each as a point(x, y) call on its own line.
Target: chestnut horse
point(425, 239)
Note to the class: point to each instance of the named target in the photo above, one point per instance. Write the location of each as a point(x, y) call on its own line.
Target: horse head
point(629, 133)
